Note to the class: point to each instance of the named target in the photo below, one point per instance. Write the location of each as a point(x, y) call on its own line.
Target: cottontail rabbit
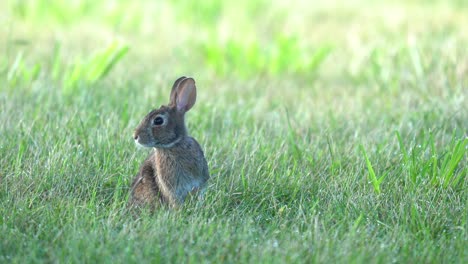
point(177, 166)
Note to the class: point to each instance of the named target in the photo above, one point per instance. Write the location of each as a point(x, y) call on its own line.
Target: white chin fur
point(156, 145)
point(139, 145)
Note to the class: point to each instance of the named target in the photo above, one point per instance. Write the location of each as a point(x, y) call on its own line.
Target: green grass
point(334, 135)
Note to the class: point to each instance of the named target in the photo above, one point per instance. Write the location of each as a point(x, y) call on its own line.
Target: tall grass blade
point(372, 176)
point(318, 57)
point(15, 68)
point(452, 162)
point(102, 63)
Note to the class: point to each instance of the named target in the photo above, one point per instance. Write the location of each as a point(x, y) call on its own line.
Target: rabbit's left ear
point(184, 95)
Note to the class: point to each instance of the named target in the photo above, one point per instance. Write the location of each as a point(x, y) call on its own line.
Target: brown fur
point(177, 166)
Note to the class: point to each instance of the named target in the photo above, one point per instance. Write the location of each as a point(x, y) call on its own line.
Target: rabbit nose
point(135, 136)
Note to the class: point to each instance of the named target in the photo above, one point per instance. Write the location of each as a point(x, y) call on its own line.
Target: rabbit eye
point(158, 121)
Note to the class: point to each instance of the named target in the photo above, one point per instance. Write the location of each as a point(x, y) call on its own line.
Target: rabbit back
point(144, 188)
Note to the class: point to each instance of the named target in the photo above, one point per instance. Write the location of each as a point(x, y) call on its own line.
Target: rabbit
point(177, 166)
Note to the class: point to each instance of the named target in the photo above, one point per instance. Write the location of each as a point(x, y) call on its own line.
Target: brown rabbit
point(177, 166)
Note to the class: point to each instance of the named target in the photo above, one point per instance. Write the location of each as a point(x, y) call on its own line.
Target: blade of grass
point(452, 162)
point(102, 63)
point(372, 176)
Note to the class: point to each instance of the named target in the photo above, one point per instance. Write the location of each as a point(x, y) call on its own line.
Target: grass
point(355, 153)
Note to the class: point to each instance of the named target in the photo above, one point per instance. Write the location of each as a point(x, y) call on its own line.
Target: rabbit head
point(165, 127)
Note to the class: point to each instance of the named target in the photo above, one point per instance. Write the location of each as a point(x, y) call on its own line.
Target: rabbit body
point(177, 166)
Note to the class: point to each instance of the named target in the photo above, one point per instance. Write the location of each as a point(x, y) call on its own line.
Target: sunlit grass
point(334, 132)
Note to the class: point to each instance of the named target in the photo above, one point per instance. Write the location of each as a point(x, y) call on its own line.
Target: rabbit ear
point(174, 90)
point(185, 94)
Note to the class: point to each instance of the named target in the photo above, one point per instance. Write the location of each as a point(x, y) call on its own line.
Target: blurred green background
point(244, 39)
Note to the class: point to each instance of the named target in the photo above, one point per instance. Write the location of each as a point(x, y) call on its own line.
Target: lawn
point(335, 131)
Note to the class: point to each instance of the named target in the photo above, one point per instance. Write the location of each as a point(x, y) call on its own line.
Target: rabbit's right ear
point(174, 90)
point(185, 95)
